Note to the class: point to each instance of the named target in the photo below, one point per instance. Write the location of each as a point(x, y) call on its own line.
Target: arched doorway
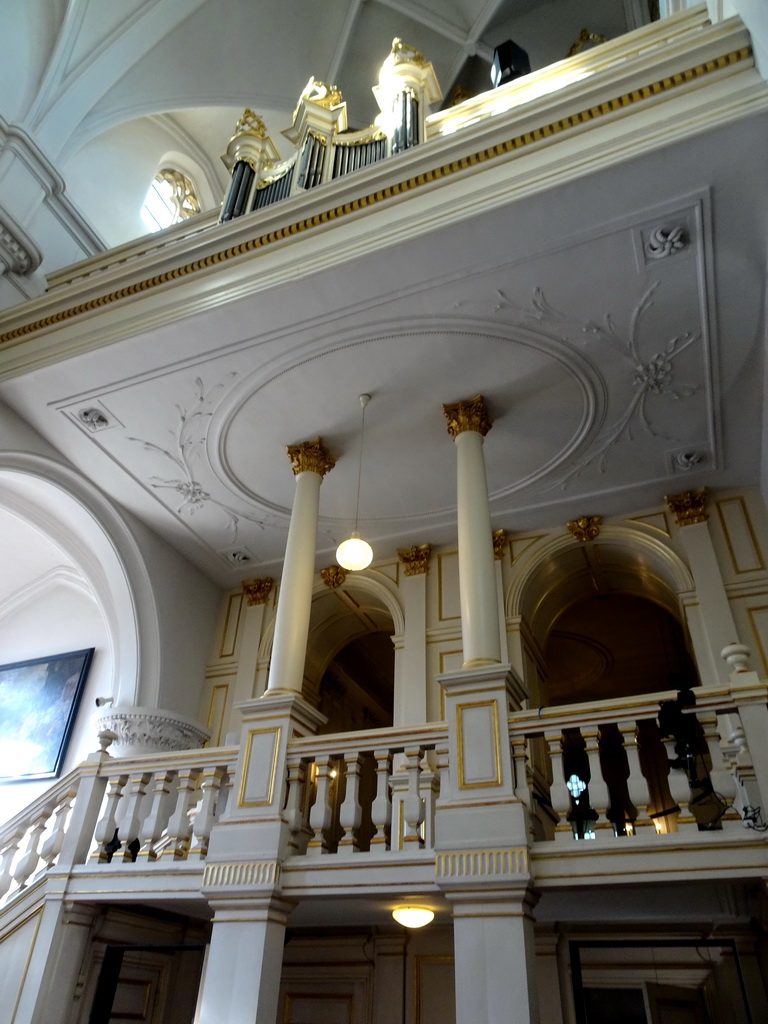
point(350, 667)
point(615, 644)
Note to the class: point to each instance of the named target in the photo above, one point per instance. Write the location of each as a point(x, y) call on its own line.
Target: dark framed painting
point(38, 706)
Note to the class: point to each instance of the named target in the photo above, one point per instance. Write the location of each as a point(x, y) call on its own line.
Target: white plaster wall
point(63, 619)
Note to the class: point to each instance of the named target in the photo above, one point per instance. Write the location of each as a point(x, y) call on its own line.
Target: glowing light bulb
point(354, 553)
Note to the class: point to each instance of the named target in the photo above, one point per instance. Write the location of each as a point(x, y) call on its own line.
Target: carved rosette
point(310, 457)
point(258, 591)
point(140, 730)
point(470, 414)
point(689, 507)
point(333, 576)
point(499, 538)
point(415, 560)
point(585, 527)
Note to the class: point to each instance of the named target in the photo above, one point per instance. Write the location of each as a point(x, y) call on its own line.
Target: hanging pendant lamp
point(355, 553)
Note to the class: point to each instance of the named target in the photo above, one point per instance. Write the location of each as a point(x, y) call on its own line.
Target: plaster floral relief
point(187, 453)
point(648, 375)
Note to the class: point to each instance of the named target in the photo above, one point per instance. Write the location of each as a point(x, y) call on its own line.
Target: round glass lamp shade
point(413, 917)
point(354, 553)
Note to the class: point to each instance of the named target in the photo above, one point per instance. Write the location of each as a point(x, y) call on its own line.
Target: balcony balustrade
point(594, 771)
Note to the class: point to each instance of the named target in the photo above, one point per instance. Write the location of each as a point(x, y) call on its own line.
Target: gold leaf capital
point(470, 414)
point(333, 576)
point(499, 544)
point(258, 591)
point(585, 527)
point(689, 507)
point(310, 457)
point(415, 560)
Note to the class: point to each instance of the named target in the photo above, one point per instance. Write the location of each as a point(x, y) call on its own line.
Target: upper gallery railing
point(644, 767)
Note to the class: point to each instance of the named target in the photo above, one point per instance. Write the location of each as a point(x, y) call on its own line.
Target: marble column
point(468, 423)
point(310, 461)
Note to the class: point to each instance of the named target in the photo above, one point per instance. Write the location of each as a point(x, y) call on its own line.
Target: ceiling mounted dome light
point(355, 553)
point(413, 917)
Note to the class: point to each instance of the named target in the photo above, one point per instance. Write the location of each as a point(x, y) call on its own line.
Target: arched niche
point(350, 667)
point(602, 619)
point(95, 538)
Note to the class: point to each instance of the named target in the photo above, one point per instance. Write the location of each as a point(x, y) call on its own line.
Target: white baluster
point(53, 844)
point(156, 820)
point(559, 794)
point(28, 862)
point(7, 854)
point(206, 814)
point(295, 806)
point(321, 812)
point(179, 825)
point(720, 777)
point(130, 828)
point(637, 785)
point(680, 792)
point(350, 812)
point(105, 829)
point(599, 797)
point(429, 788)
point(381, 808)
point(413, 804)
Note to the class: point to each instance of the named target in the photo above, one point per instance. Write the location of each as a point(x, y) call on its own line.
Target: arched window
point(171, 198)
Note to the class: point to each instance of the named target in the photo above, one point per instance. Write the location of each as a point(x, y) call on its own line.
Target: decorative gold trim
point(422, 960)
point(585, 38)
point(246, 874)
point(333, 576)
point(403, 53)
point(468, 414)
point(250, 124)
point(415, 560)
point(585, 527)
point(499, 538)
point(258, 591)
point(310, 457)
point(546, 131)
point(460, 709)
point(229, 653)
point(511, 860)
point(225, 688)
point(750, 531)
point(757, 633)
point(241, 801)
point(689, 507)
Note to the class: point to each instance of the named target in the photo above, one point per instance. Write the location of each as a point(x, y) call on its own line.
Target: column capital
point(688, 507)
point(469, 414)
point(585, 527)
point(415, 560)
point(310, 457)
point(258, 591)
point(333, 576)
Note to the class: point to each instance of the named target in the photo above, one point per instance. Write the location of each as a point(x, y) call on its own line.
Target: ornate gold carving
point(258, 591)
point(324, 95)
point(585, 527)
point(402, 53)
point(333, 576)
point(585, 38)
point(572, 121)
point(470, 414)
point(250, 124)
point(310, 457)
point(499, 544)
point(415, 560)
point(689, 507)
